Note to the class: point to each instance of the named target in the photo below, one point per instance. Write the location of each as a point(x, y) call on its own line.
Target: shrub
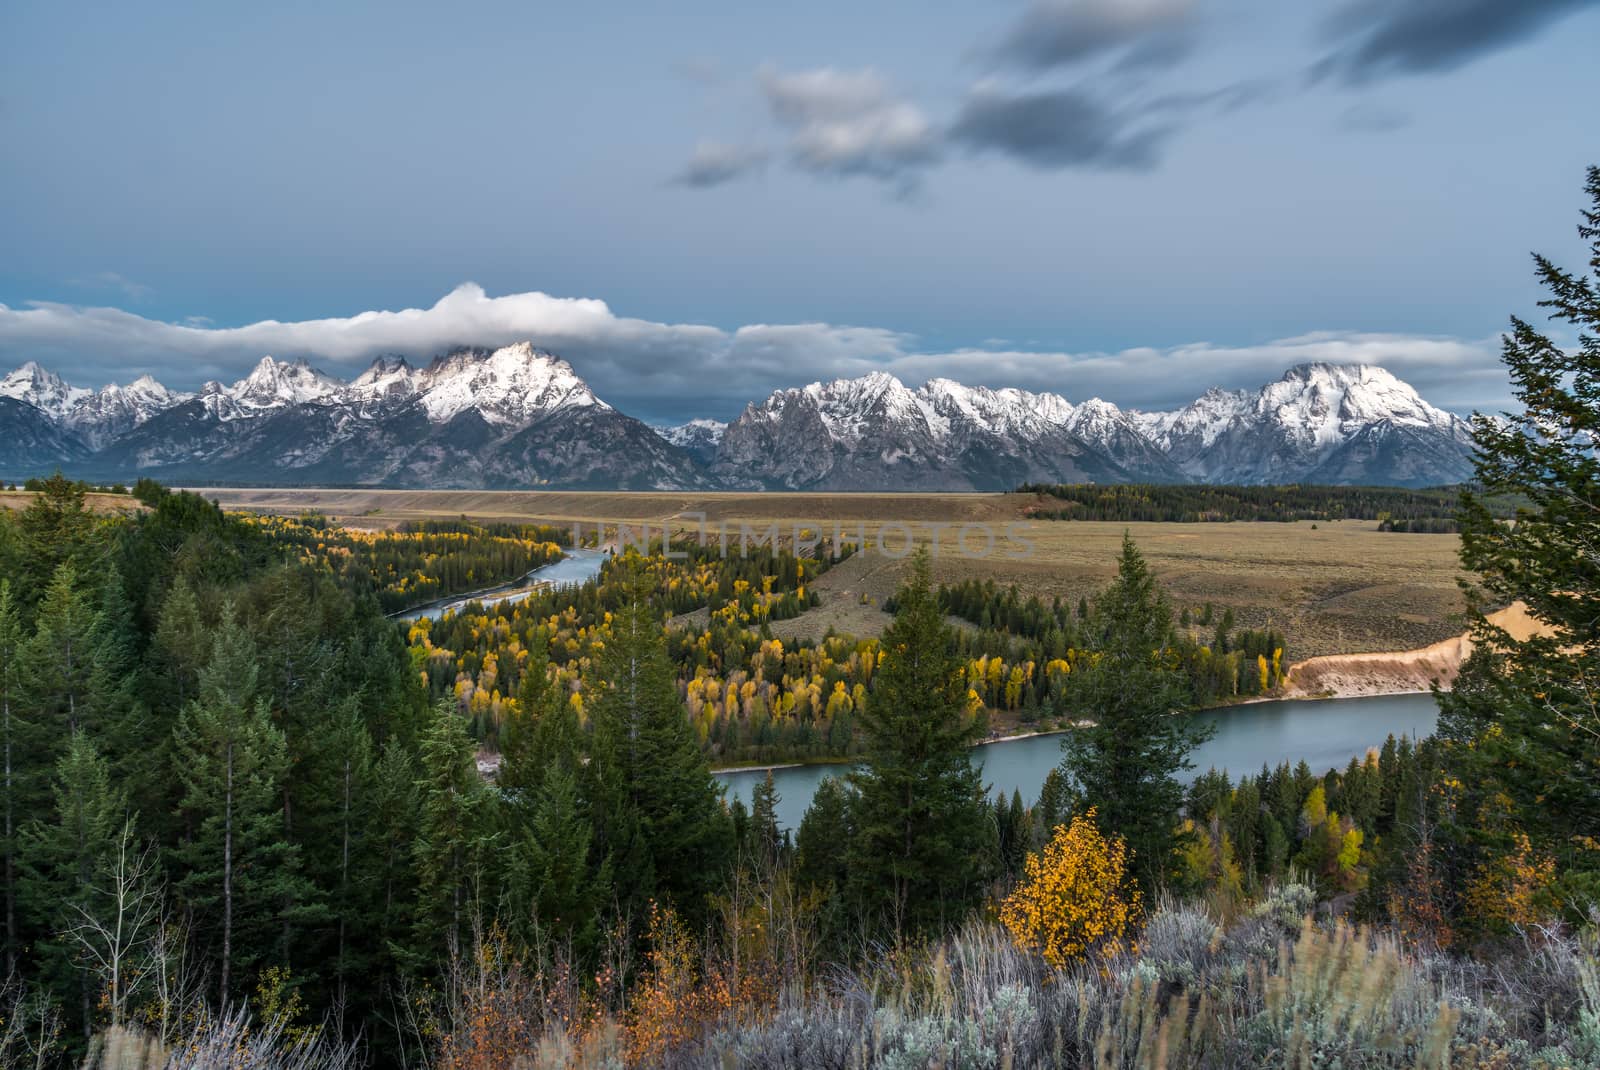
point(1075, 897)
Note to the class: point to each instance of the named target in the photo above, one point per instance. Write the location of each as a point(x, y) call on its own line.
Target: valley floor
point(1333, 587)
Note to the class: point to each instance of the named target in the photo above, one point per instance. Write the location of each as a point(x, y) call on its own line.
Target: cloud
point(1060, 33)
point(850, 123)
point(713, 163)
point(1058, 128)
point(676, 371)
point(1384, 38)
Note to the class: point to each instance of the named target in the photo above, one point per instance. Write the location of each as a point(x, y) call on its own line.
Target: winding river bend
point(575, 568)
point(1326, 733)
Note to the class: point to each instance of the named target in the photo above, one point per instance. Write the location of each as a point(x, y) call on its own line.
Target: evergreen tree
point(559, 889)
point(1126, 763)
point(916, 859)
point(821, 868)
point(335, 824)
point(394, 822)
point(453, 831)
point(60, 657)
point(237, 869)
point(11, 754)
point(61, 858)
point(763, 841)
point(1521, 719)
point(181, 644)
point(56, 528)
point(658, 808)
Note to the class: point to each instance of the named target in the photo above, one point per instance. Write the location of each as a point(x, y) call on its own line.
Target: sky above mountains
point(696, 203)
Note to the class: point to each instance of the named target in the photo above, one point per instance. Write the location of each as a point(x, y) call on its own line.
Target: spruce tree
point(1125, 764)
point(393, 828)
point(763, 841)
point(557, 885)
point(11, 755)
point(237, 869)
point(62, 855)
point(454, 831)
point(917, 861)
point(658, 808)
point(61, 655)
point(1521, 720)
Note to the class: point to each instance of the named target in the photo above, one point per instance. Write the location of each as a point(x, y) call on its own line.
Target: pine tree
point(560, 889)
point(764, 841)
point(1126, 763)
point(335, 824)
point(61, 858)
point(1521, 719)
point(453, 832)
point(394, 821)
point(60, 657)
point(56, 528)
point(658, 808)
point(917, 858)
point(237, 868)
point(556, 885)
point(11, 754)
point(181, 644)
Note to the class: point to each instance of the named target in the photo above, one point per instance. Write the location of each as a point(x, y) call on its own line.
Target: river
point(1326, 733)
point(575, 568)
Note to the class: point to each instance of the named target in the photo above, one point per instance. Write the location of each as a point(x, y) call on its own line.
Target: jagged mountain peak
point(274, 383)
point(481, 416)
point(510, 385)
point(46, 391)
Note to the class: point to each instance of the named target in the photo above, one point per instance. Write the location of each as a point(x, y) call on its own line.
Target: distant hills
point(521, 417)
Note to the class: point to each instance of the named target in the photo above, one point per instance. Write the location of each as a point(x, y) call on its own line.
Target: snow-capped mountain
point(519, 416)
point(82, 420)
point(873, 433)
point(42, 389)
point(699, 438)
point(272, 385)
point(510, 417)
point(112, 411)
point(1320, 422)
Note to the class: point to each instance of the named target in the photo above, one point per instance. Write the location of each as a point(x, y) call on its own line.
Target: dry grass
point(97, 503)
point(1341, 587)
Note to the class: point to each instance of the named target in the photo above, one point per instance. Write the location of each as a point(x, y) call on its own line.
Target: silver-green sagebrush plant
point(1273, 990)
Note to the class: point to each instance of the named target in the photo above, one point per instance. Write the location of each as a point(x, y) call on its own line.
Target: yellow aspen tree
point(1075, 898)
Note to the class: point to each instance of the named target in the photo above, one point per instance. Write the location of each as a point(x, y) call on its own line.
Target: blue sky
point(1130, 198)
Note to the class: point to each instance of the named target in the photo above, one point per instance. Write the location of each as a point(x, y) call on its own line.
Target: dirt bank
point(1394, 672)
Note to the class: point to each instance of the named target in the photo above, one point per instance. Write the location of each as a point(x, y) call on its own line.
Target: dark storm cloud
point(1060, 33)
point(1058, 129)
point(1383, 38)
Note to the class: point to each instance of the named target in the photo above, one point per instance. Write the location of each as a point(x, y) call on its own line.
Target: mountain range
point(520, 417)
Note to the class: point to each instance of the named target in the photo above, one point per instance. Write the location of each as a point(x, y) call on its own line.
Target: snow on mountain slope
point(509, 386)
point(519, 415)
point(44, 390)
point(275, 384)
point(698, 438)
point(113, 410)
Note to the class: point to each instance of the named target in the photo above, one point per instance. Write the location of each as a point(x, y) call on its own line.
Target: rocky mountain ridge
point(519, 416)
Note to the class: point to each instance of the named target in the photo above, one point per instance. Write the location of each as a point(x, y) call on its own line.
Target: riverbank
point(1397, 672)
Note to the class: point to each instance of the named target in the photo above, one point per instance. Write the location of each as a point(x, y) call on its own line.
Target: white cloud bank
point(674, 371)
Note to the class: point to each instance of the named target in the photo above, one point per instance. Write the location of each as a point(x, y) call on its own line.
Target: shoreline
point(1017, 736)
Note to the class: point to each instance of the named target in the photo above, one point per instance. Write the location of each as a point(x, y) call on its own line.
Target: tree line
point(1206, 503)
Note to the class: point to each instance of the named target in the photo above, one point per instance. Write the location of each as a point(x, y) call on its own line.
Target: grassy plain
point(1334, 587)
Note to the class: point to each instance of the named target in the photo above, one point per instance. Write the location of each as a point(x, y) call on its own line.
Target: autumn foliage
point(1076, 897)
